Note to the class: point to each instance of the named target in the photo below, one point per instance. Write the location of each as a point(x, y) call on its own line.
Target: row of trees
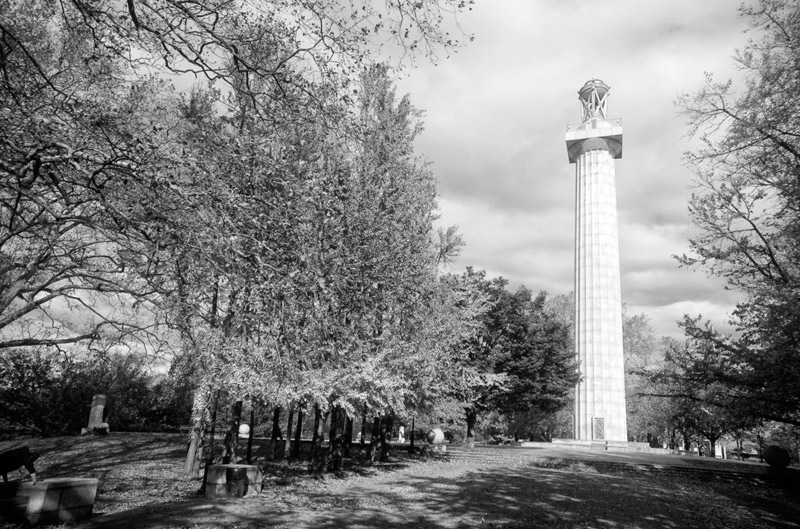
point(668, 407)
point(747, 213)
point(270, 229)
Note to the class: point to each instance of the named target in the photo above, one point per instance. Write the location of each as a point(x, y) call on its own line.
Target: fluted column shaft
point(600, 396)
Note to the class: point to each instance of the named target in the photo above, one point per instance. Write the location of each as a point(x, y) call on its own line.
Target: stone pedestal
point(13, 509)
point(51, 501)
point(233, 480)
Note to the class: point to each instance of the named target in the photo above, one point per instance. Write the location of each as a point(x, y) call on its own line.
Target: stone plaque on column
point(599, 429)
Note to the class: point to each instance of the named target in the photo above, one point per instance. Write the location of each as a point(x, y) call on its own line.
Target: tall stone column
point(592, 146)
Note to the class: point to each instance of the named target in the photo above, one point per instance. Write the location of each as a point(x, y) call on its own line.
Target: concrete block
point(53, 501)
point(12, 510)
point(233, 480)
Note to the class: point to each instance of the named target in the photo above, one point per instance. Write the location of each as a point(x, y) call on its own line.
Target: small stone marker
point(244, 431)
point(233, 480)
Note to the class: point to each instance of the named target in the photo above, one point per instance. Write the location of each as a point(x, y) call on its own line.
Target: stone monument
point(96, 423)
point(592, 146)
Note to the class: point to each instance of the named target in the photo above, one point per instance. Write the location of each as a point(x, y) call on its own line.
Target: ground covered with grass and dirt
point(142, 486)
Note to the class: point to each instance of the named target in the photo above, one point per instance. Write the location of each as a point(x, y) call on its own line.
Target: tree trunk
point(364, 427)
point(348, 436)
point(287, 446)
point(317, 416)
point(687, 440)
point(387, 425)
point(335, 441)
point(317, 464)
point(374, 440)
point(298, 433)
point(276, 433)
point(712, 442)
point(192, 466)
point(232, 435)
point(210, 454)
point(472, 418)
point(194, 454)
point(251, 432)
point(411, 435)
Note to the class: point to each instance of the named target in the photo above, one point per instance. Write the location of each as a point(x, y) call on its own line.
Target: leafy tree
point(324, 273)
point(747, 210)
point(280, 223)
point(696, 407)
point(72, 145)
point(89, 140)
point(534, 350)
point(527, 350)
point(650, 419)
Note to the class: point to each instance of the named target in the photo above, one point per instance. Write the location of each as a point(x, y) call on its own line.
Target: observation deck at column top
point(593, 97)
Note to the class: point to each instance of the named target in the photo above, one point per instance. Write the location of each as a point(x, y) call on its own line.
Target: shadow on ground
point(142, 486)
point(575, 494)
point(133, 468)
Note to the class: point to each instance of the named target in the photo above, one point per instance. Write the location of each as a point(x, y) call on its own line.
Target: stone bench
point(233, 480)
point(13, 510)
point(50, 501)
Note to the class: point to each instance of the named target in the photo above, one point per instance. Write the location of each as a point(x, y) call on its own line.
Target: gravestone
point(96, 415)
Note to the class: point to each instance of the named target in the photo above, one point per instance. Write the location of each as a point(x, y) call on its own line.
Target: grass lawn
point(142, 486)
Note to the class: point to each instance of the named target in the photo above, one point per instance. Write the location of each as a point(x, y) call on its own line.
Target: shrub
point(51, 395)
point(776, 456)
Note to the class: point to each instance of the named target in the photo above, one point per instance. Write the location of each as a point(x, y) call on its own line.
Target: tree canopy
point(271, 227)
point(99, 171)
point(522, 357)
point(747, 211)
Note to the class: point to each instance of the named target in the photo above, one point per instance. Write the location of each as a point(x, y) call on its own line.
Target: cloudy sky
point(496, 114)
